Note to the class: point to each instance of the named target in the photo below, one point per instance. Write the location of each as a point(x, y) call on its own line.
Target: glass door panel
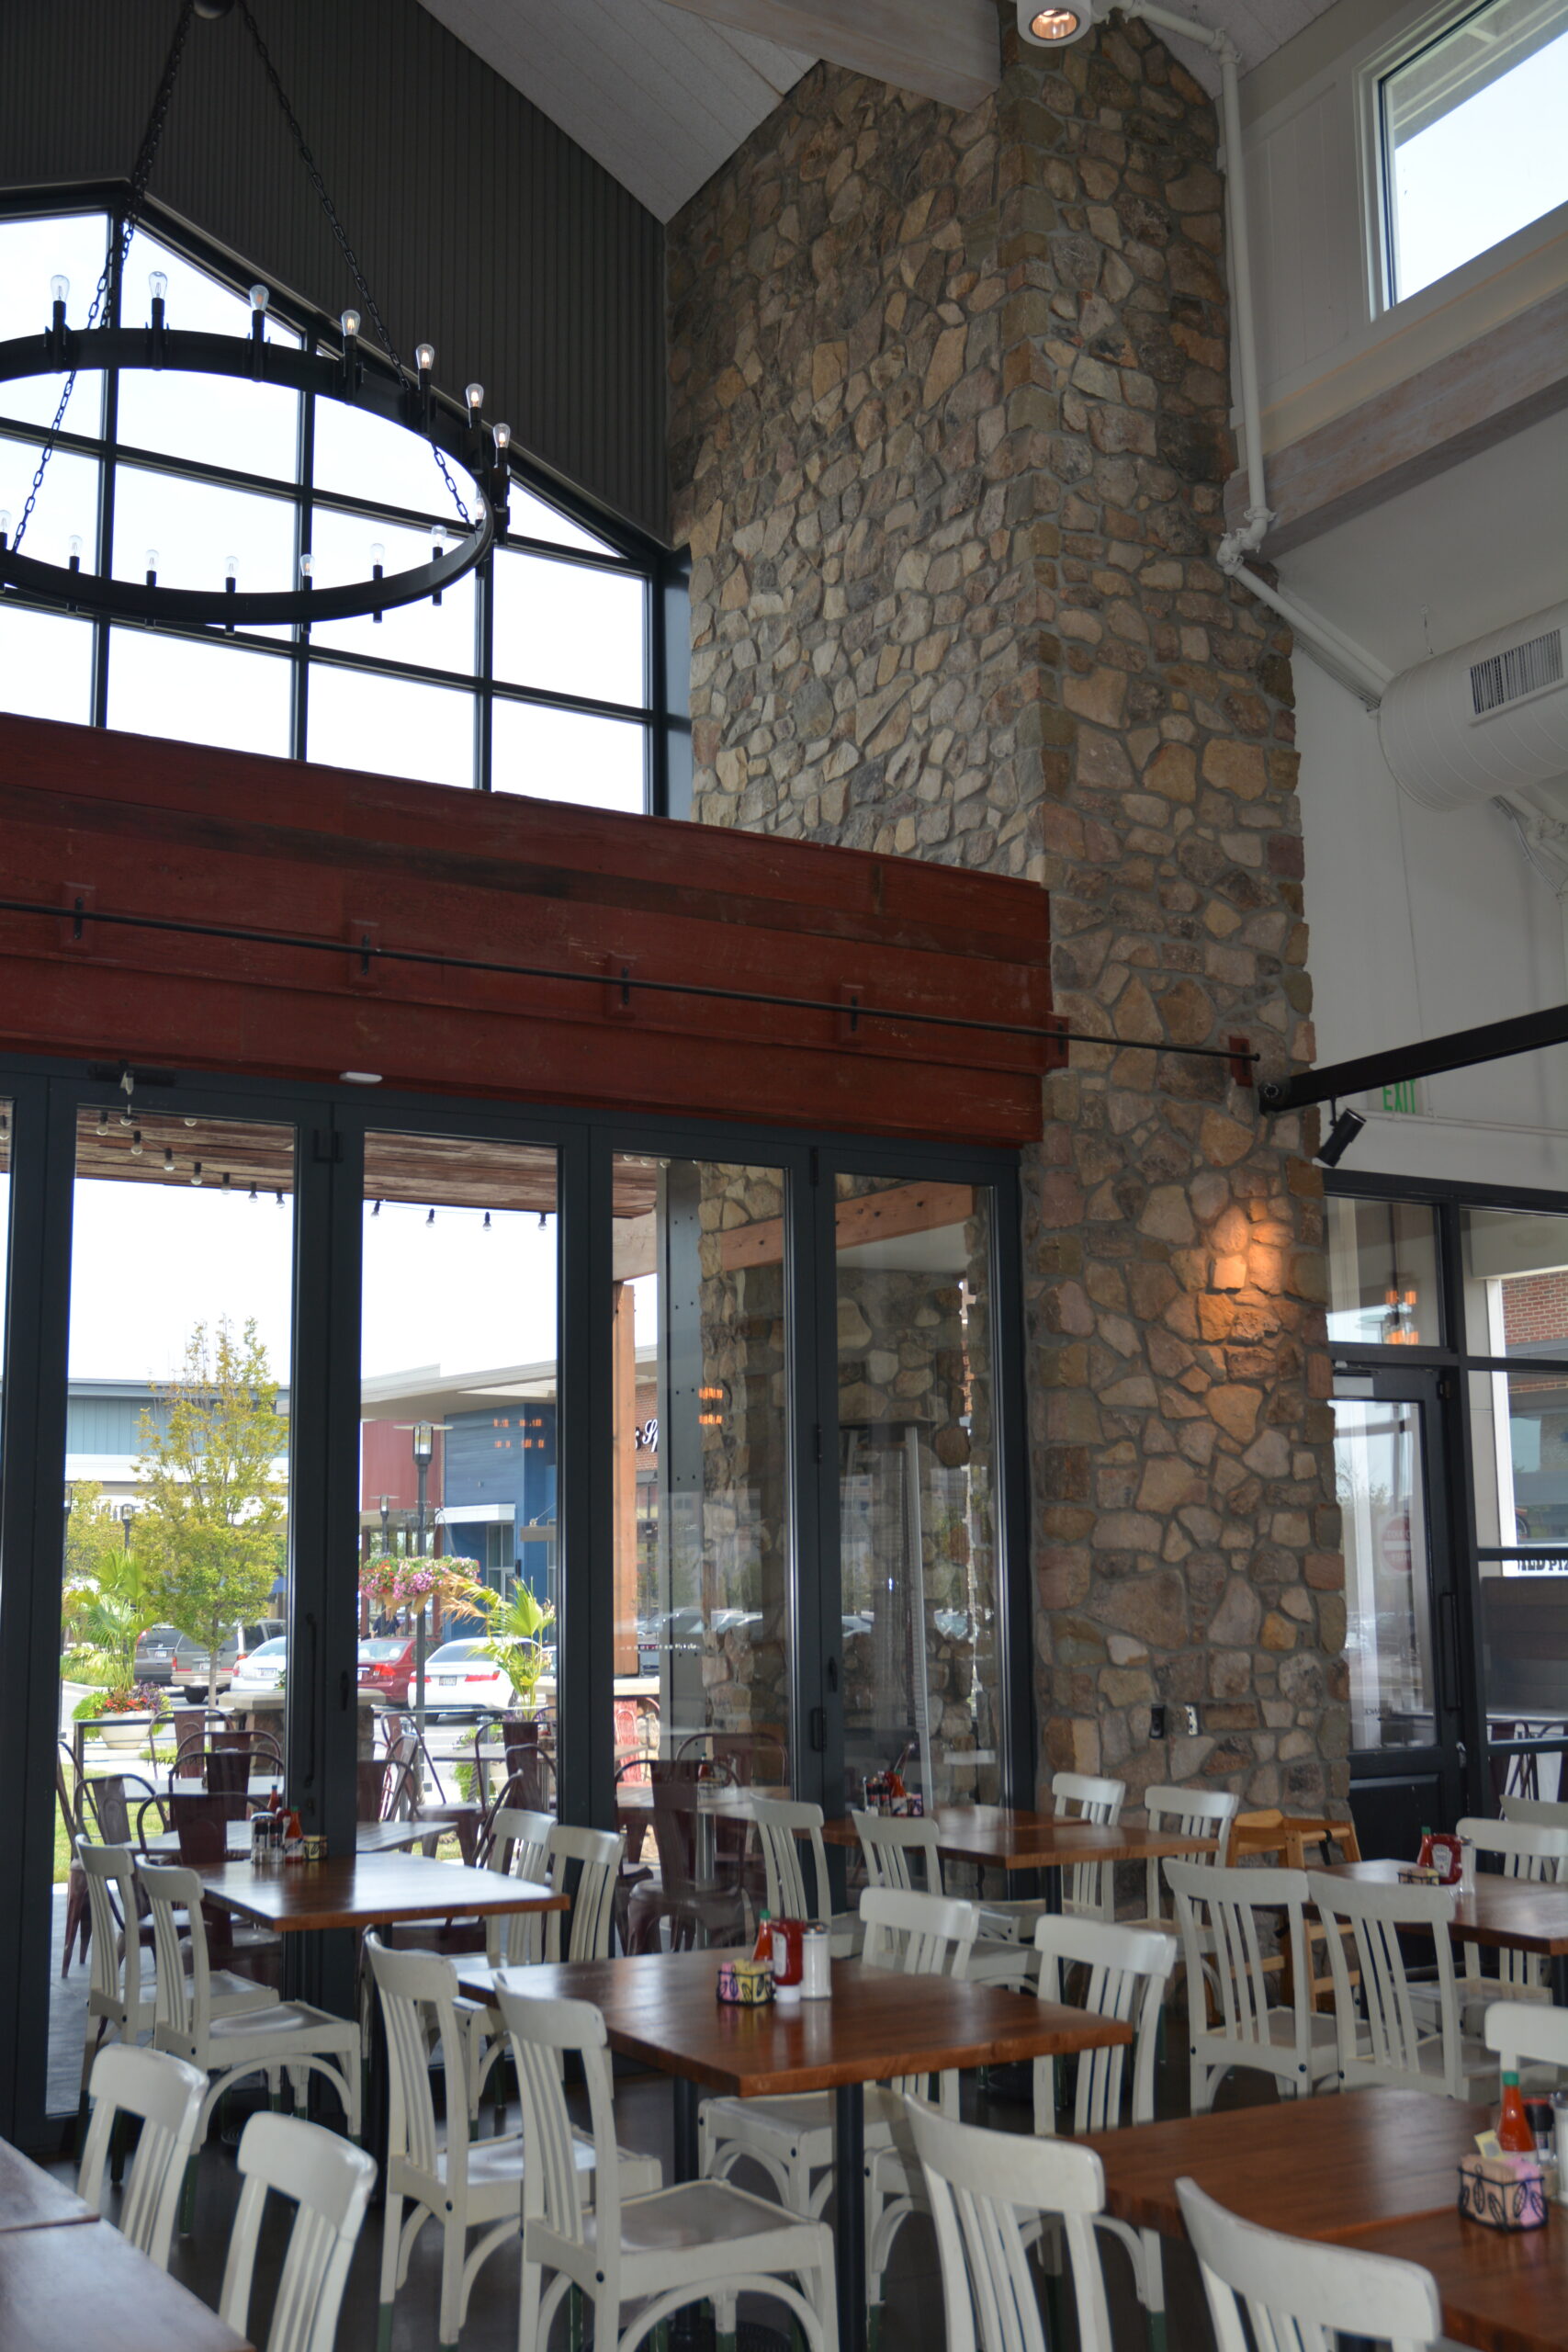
point(702, 1530)
point(459, 1537)
point(922, 1673)
point(175, 1525)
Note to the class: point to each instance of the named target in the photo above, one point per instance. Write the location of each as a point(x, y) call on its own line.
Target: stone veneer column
point(949, 427)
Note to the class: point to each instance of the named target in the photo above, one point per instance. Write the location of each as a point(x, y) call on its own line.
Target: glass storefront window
point(1382, 1274)
point(1516, 1282)
point(1519, 1434)
point(1379, 1472)
point(917, 1487)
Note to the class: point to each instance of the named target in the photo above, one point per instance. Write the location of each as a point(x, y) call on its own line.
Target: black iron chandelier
point(374, 381)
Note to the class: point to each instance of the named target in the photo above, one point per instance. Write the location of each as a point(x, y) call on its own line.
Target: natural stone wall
point(949, 429)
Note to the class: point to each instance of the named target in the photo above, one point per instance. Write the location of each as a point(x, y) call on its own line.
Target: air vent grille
point(1517, 670)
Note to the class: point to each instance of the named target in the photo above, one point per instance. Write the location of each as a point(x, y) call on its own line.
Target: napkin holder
point(1503, 2192)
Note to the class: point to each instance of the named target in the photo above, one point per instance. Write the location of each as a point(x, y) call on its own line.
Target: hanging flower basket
point(389, 1581)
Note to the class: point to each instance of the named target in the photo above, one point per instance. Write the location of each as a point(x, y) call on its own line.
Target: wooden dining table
point(1377, 2169)
point(369, 1838)
point(67, 2280)
point(1008, 1838)
point(1503, 1914)
point(662, 2009)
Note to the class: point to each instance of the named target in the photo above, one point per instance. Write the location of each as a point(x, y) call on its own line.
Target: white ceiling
point(662, 99)
point(1475, 549)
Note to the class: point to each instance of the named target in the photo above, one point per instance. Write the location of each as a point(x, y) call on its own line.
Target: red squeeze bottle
point(1514, 2133)
point(1424, 1858)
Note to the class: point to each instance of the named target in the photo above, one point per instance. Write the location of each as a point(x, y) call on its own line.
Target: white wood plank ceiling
point(661, 98)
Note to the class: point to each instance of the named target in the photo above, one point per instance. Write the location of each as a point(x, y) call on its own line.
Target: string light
point(136, 1144)
point(253, 1191)
point(431, 1218)
point(196, 1172)
point(487, 1221)
point(168, 1161)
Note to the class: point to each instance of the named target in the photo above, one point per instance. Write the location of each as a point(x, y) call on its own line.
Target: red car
point(386, 1667)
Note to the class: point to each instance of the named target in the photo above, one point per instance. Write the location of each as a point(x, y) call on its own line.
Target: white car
point(262, 1668)
point(460, 1680)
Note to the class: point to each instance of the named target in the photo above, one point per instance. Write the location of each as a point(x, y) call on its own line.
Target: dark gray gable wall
point(480, 224)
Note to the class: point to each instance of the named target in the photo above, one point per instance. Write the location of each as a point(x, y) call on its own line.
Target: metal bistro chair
point(1265, 2288)
point(329, 2184)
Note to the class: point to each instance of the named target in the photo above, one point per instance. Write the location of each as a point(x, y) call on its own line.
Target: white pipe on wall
point(1350, 663)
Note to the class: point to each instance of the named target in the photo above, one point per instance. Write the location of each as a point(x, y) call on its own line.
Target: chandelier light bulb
point(307, 566)
point(260, 298)
point(349, 322)
point(503, 434)
point(4, 526)
point(230, 571)
point(378, 557)
point(152, 567)
point(474, 396)
point(158, 285)
point(74, 549)
point(59, 288)
point(424, 357)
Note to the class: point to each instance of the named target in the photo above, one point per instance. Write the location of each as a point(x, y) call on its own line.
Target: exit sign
point(1402, 1097)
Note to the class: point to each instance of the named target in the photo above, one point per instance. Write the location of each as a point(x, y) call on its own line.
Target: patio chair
point(1266, 2288)
point(989, 2193)
point(698, 1911)
point(329, 2184)
point(164, 2094)
point(1090, 1890)
point(787, 1831)
point(1523, 1850)
point(68, 1783)
point(1525, 2036)
point(903, 1853)
point(662, 2250)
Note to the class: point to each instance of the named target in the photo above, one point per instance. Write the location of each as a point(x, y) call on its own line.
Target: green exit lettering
point(1401, 1097)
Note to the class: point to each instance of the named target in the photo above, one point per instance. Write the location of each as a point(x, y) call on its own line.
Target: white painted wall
point(1421, 924)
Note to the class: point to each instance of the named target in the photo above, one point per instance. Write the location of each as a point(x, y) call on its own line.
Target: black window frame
point(630, 553)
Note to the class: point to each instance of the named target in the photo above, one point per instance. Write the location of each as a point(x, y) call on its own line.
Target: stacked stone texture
point(949, 430)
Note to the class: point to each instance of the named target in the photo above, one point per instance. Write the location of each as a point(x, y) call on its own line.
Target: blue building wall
point(504, 1456)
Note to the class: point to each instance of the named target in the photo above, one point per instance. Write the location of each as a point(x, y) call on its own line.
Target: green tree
point(516, 1631)
point(104, 1620)
point(211, 1530)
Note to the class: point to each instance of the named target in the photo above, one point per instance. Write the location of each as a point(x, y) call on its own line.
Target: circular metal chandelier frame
point(352, 381)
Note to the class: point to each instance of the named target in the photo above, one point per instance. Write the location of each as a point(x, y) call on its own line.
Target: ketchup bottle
point(1424, 1858)
point(1513, 2132)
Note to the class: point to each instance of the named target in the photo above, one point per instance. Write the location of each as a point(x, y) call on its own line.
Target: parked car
point(263, 1667)
point(682, 1630)
point(460, 1681)
point(386, 1667)
point(156, 1653)
point(188, 1671)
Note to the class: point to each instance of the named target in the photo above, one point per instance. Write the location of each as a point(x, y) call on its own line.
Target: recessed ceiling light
point(1053, 28)
point(360, 1077)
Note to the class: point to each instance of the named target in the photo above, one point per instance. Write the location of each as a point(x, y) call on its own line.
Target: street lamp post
point(127, 1513)
point(385, 1533)
point(423, 1448)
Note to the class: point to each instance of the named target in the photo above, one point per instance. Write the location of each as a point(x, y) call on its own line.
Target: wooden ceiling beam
point(946, 50)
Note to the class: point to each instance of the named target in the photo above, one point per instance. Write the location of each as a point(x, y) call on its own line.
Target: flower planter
point(116, 1735)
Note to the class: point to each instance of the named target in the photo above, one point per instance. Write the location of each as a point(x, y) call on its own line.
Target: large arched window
point(533, 675)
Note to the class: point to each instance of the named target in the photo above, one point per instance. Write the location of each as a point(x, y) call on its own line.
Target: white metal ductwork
point(1490, 717)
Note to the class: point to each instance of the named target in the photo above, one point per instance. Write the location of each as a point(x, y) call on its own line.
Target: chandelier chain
point(142, 171)
point(361, 282)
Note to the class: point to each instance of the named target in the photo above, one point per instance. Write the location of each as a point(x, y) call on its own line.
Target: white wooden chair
point(517, 1847)
point(989, 2194)
point(329, 2183)
point(1265, 2288)
point(791, 2138)
point(166, 2095)
point(1216, 1911)
point(120, 1993)
point(464, 2184)
point(1525, 2035)
point(1128, 1974)
point(1090, 1890)
point(1388, 2042)
point(1523, 1850)
point(786, 1832)
point(902, 1854)
point(1184, 1813)
point(704, 2242)
point(288, 2034)
point(1545, 1813)
point(596, 1855)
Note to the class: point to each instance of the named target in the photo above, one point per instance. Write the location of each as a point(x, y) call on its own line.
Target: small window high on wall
point(1471, 133)
point(532, 675)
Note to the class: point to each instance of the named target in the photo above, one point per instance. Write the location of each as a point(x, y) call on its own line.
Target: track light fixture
point(1054, 28)
point(1347, 1127)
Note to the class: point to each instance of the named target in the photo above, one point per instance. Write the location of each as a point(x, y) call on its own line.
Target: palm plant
point(515, 1632)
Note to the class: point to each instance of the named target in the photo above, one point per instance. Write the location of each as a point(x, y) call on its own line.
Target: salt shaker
point(816, 1981)
point(1467, 1866)
point(1560, 2137)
